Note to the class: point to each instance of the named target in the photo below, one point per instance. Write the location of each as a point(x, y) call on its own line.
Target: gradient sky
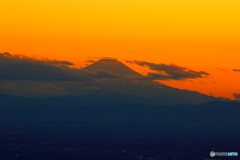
point(202, 35)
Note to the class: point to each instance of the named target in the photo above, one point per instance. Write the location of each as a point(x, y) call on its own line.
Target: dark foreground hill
point(102, 97)
point(116, 132)
point(215, 112)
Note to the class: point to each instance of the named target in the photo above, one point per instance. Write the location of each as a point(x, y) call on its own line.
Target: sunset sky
point(202, 35)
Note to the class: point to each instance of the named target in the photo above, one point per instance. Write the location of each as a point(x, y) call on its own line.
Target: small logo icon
point(212, 154)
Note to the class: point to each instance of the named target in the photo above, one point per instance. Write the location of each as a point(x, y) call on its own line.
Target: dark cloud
point(60, 63)
point(50, 62)
point(24, 68)
point(6, 54)
point(171, 71)
point(18, 67)
point(236, 70)
point(237, 96)
point(129, 61)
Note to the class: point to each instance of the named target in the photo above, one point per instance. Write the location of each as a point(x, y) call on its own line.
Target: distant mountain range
point(104, 106)
point(101, 105)
point(98, 97)
point(157, 93)
point(117, 91)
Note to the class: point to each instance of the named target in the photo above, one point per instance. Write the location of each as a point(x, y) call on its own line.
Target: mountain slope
point(113, 66)
point(115, 91)
point(159, 93)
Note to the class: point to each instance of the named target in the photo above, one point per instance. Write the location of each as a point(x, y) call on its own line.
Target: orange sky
point(200, 34)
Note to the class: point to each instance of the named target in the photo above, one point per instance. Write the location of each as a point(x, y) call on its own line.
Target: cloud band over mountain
point(171, 71)
point(24, 68)
point(17, 67)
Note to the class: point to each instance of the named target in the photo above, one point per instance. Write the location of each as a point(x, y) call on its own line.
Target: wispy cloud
point(90, 61)
point(236, 70)
point(224, 70)
point(171, 71)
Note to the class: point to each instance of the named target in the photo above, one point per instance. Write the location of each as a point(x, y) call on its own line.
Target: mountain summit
point(112, 65)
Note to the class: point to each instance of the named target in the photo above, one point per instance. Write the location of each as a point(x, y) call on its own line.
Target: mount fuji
point(113, 66)
point(116, 91)
point(127, 100)
point(157, 93)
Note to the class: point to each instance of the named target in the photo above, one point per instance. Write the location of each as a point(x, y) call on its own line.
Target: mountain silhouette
point(112, 65)
point(112, 107)
point(116, 91)
point(159, 93)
